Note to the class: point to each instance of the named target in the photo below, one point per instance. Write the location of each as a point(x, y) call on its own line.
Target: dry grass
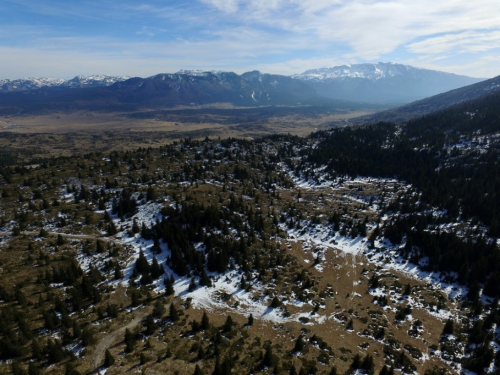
point(67, 134)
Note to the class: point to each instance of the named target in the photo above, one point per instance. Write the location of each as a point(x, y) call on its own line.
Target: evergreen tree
point(150, 326)
point(268, 360)
point(173, 313)
point(368, 365)
point(349, 326)
point(275, 303)
point(448, 327)
point(130, 341)
point(228, 325)
point(158, 309)
point(109, 360)
point(118, 272)
point(156, 270)
point(299, 344)
point(169, 286)
point(205, 324)
point(218, 367)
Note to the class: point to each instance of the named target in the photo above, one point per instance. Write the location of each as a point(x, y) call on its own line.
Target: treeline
point(441, 156)
point(421, 155)
point(474, 259)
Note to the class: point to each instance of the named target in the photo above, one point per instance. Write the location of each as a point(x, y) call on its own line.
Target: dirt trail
point(111, 337)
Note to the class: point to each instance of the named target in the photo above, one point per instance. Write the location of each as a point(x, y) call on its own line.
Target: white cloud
point(371, 28)
point(227, 6)
point(471, 41)
point(287, 36)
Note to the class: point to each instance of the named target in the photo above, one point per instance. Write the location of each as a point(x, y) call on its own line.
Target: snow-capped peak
point(368, 71)
point(200, 73)
point(32, 83)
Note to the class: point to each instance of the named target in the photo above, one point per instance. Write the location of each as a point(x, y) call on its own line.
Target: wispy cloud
point(471, 41)
point(264, 34)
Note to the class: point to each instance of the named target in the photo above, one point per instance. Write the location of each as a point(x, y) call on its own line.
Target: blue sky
point(61, 39)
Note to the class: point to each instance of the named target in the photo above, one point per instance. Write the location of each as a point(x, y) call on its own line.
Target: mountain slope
point(381, 82)
point(164, 90)
point(26, 84)
point(435, 103)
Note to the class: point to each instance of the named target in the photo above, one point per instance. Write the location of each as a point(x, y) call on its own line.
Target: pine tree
point(156, 270)
point(109, 360)
point(448, 327)
point(158, 309)
point(205, 324)
point(299, 344)
point(169, 286)
point(368, 364)
point(250, 320)
point(228, 325)
point(173, 313)
point(60, 240)
point(151, 194)
point(218, 367)
point(192, 285)
point(268, 360)
point(349, 325)
point(275, 303)
point(118, 272)
point(130, 341)
point(150, 325)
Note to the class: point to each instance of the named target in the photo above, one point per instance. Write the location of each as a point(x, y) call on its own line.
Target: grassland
point(327, 293)
point(68, 134)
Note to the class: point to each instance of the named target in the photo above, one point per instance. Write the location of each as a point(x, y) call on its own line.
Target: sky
point(62, 39)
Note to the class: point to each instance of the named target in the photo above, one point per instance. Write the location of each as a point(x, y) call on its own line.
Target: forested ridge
point(453, 159)
point(310, 230)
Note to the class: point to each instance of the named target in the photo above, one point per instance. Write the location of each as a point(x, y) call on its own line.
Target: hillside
point(362, 250)
point(435, 103)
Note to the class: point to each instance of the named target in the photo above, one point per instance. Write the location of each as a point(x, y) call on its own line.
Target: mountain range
point(387, 83)
point(13, 85)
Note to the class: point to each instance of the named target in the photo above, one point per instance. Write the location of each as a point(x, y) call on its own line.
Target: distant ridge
point(382, 82)
point(161, 91)
point(435, 103)
point(26, 84)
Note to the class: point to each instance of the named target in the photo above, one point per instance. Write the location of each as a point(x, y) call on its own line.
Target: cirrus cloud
point(239, 35)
